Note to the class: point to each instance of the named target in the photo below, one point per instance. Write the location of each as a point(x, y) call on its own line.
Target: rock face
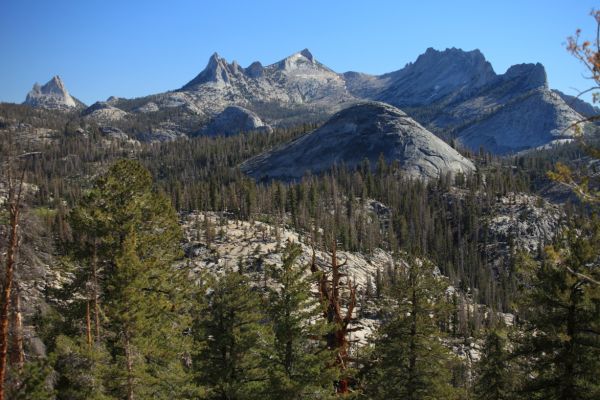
point(458, 95)
point(538, 118)
point(365, 130)
point(527, 221)
point(103, 111)
point(433, 76)
point(585, 109)
point(234, 120)
point(53, 95)
point(295, 89)
point(296, 80)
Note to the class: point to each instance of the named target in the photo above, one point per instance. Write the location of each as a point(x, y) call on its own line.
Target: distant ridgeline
point(454, 94)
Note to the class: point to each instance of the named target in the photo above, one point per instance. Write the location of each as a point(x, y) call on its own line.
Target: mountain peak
point(532, 76)
point(217, 70)
point(52, 95)
point(307, 54)
point(436, 74)
point(298, 61)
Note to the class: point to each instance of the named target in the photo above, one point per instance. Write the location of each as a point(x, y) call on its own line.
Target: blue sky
point(135, 48)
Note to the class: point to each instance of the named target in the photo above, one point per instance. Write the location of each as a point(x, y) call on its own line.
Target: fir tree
point(80, 369)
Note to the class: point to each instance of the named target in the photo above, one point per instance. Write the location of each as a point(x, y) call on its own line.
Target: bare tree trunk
point(13, 244)
point(88, 324)
point(18, 353)
point(129, 366)
point(330, 294)
point(95, 290)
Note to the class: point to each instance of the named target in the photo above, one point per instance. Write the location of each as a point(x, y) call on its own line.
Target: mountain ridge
point(451, 92)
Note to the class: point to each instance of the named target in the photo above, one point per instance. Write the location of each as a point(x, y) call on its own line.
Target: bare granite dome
point(366, 130)
point(234, 120)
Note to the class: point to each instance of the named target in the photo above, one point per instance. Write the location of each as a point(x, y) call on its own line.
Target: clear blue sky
point(135, 48)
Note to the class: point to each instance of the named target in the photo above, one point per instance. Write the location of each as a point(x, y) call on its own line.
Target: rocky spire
point(52, 95)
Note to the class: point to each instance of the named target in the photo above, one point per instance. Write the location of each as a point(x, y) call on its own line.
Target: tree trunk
point(18, 353)
point(95, 290)
point(88, 323)
point(7, 288)
point(412, 356)
point(129, 366)
point(330, 293)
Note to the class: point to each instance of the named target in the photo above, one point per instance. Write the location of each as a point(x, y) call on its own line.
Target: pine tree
point(34, 382)
point(409, 361)
point(300, 367)
point(560, 346)
point(496, 374)
point(143, 298)
point(231, 339)
point(80, 369)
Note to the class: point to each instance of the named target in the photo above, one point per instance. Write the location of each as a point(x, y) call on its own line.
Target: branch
point(582, 276)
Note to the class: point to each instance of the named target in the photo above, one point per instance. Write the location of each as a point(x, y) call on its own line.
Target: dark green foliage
point(33, 383)
point(231, 340)
point(497, 375)
point(80, 370)
point(560, 346)
point(409, 361)
point(300, 366)
point(143, 298)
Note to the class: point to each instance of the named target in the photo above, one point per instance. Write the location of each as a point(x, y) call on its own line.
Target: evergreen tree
point(231, 340)
point(496, 376)
point(143, 297)
point(300, 366)
point(409, 361)
point(34, 383)
point(80, 369)
point(560, 347)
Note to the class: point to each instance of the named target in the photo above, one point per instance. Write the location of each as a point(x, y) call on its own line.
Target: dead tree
point(338, 297)
point(15, 190)
point(14, 200)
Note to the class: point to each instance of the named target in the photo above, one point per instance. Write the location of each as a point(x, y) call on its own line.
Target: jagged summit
point(219, 71)
point(365, 130)
point(54, 85)
point(306, 53)
point(298, 62)
point(436, 74)
point(531, 76)
point(52, 95)
point(295, 83)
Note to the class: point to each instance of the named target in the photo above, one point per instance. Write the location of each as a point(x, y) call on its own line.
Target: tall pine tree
point(231, 339)
point(301, 365)
point(409, 360)
point(560, 347)
point(496, 373)
point(143, 298)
